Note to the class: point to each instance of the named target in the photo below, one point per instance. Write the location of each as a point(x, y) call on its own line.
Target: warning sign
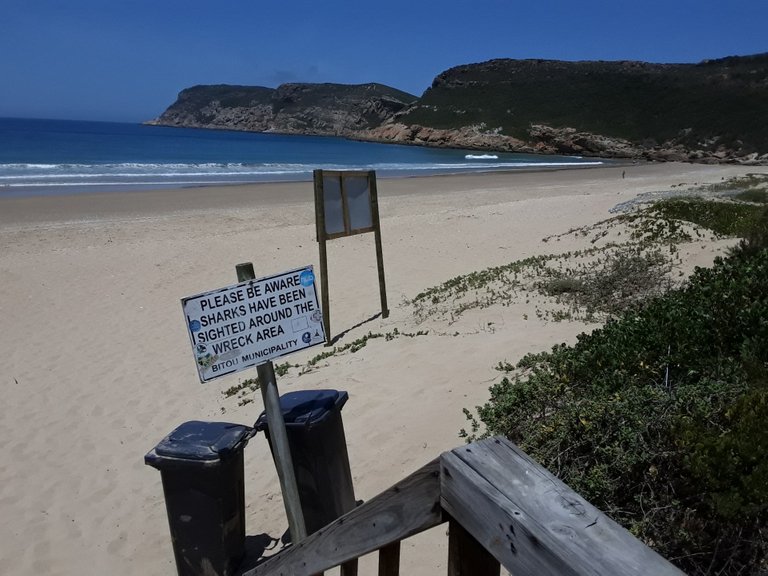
point(250, 323)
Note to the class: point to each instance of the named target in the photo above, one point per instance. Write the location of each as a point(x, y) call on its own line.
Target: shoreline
point(89, 205)
point(27, 191)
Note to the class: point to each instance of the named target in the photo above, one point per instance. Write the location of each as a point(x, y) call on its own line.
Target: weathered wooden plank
point(322, 239)
point(389, 560)
point(377, 240)
point(466, 556)
point(495, 521)
point(532, 522)
point(409, 507)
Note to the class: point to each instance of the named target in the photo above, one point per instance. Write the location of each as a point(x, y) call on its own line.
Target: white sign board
point(250, 323)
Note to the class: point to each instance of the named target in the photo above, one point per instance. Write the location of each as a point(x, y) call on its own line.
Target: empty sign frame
point(346, 203)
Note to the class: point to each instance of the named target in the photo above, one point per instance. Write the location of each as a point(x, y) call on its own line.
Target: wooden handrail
point(407, 508)
point(533, 523)
point(504, 509)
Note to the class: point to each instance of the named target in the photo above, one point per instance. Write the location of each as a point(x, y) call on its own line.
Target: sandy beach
point(98, 366)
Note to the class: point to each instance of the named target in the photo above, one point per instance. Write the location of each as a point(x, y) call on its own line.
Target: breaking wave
point(145, 174)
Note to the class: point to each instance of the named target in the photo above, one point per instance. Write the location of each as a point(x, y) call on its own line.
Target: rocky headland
point(711, 112)
point(309, 109)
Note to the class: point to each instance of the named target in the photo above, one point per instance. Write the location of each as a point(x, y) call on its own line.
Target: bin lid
point(307, 407)
point(200, 441)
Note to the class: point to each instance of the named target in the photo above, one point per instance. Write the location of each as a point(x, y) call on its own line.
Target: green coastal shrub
point(723, 218)
point(756, 238)
point(660, 418)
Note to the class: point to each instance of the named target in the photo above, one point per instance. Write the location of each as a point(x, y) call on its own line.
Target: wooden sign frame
point(349, 225)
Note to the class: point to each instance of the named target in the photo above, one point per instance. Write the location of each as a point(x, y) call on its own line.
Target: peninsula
point(710, 112)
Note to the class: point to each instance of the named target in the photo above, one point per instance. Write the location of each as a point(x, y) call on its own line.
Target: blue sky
point(126, 60)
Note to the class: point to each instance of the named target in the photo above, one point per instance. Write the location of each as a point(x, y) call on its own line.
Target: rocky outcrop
point(549, 140)
point(316, 109)
point(570, 141)
point(470, 137)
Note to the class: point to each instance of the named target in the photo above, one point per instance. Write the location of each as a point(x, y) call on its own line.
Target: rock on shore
point(549, 140)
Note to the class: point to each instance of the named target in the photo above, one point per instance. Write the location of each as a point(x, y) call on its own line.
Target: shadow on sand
point(348, 330)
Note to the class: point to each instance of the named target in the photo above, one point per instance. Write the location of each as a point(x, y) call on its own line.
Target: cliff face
point(322, 109)
point(715, 111)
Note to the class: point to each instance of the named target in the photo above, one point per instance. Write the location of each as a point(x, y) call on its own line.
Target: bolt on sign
point(253, 322)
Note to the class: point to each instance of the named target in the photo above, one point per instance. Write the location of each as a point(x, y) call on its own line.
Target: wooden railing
point(503, 509)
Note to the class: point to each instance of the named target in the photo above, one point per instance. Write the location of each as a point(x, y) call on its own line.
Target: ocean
point(46, 157)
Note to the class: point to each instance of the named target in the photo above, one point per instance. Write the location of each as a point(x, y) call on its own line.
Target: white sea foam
point(169, 174)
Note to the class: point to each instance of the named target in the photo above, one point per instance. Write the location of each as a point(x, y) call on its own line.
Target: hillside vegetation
point(658, 417)
point(714, 104)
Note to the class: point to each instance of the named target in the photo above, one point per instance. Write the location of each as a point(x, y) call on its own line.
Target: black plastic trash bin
point(319, 453)
point(201, 465)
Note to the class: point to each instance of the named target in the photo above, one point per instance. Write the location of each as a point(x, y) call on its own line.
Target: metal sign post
point(346, 203)
point(276, 424)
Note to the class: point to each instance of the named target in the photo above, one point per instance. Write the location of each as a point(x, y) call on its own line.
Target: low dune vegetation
point(658, 416)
